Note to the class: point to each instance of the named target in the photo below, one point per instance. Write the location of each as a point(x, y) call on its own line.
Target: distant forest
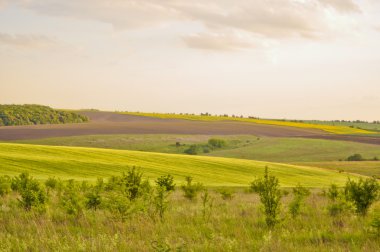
point(36, 114)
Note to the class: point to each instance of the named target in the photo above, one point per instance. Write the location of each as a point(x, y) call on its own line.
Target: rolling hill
point(91, 163)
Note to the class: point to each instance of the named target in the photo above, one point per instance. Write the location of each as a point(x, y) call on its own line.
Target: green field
point(90, 163)
point(366, 168)
point(238, 146)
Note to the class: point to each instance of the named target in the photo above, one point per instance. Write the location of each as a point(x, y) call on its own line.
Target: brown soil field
point(113, 123)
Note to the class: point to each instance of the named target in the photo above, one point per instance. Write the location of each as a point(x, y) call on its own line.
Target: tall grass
point(237, 224)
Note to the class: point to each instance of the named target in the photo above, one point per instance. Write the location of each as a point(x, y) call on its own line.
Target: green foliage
point(166, 181)
point(161, 200)
point(362, 193)
point(5, 185)
point(191, 190)
point(375, 224)
point(193, 149)
point(51, 183)
point(132, 181)
point(36, 114)
point(337, 204)
point(71, 199)
point(270, 194)
point(355, 157)
point(300, 193)
point(93, 199)
point(333, 192)
point(226, 194)
point(119, 205)
point(207, 205)
point(31, 192)
point(216, 143)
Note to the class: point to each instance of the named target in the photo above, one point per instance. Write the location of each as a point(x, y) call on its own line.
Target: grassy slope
point(328, 128)
point(299, 150)
point(245, 147)
point(367, 168)
point(90, 163)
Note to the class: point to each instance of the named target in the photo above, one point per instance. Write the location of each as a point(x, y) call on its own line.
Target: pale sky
point(295, 59)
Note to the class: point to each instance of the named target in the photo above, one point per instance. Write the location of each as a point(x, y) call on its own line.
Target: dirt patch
point(113, 123)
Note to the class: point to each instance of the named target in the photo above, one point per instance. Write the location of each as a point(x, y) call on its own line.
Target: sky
point(294, 59)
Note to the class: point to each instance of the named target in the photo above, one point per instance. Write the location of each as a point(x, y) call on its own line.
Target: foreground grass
point(237, 146)
point(90, 163)
point(234, 225)
point(341, 129)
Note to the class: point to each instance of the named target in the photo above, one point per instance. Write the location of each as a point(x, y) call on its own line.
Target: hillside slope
point(90, 163)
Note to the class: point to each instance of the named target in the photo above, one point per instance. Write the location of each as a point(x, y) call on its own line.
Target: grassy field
point(237, 146)
point(366, 168)
point(90, 163)
point(341, 129)
point(299, 150)
point(234, 225)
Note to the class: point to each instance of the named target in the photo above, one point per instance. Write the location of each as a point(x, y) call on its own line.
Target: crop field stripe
point(91, 163)
point(328, 128)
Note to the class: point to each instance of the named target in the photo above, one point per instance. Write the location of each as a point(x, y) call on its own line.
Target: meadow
point(83, 203)
point(307, 152)
point(210, 222)
point(273, 149)
point(335, 129)
point(89, 163)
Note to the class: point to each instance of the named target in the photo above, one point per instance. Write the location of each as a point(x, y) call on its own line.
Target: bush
point(32, 194)
point(71, 199)
point(333, 192)
point(362, 193)
point(355, 157)
point(337, 203)
point(192, 150)
point(167, 182)
point(133, 183)
point(5, 185)
point(226, 194)
point(161, 200)
point(191, 190)
point(207, 204)
point(93, 199)
point(270, 194)
point(216, 143)
point(300, 193)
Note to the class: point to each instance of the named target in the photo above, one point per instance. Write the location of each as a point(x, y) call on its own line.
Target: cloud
point(216, 41)
point(342, 5)
point(269, 19)
point(27, 41)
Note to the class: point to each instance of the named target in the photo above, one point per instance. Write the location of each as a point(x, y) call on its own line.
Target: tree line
point(30, 114)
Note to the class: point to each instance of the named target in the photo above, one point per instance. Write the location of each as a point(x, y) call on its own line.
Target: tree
point(32, 194)
point(166, 181)
point(355, 157)
point(362, 193)
point(270, 194)
point(191, 190)
point(216, 143)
